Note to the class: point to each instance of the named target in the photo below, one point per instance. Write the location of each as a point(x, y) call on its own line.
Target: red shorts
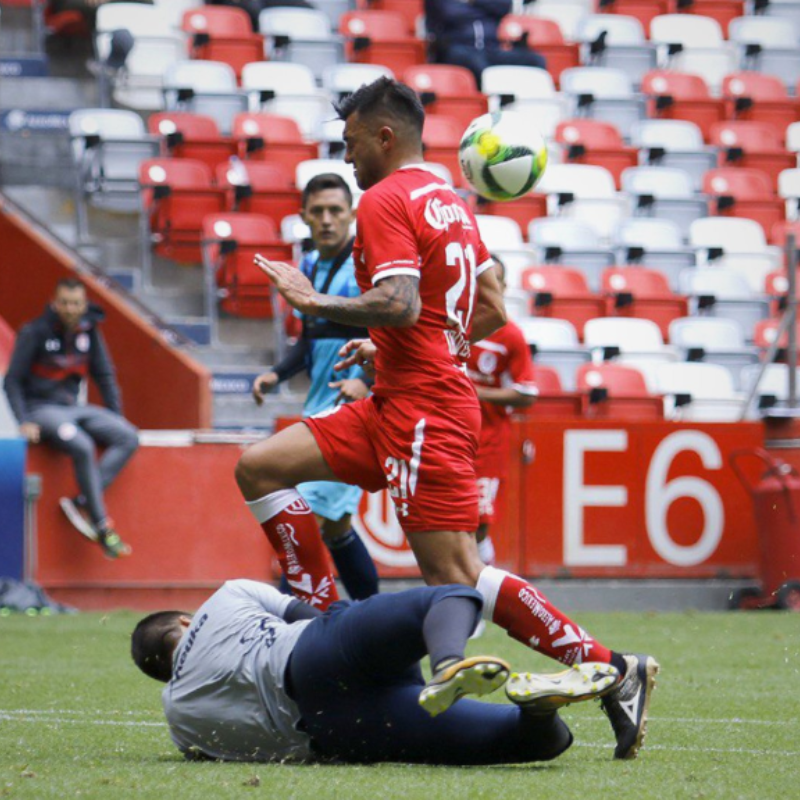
point(425, 455)
point(491, 468)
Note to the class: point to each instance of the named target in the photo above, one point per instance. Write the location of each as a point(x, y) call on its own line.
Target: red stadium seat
point(744, 193)
point(615, 390)
point(766, 332)
point(441, 135)
point(681, 95)
point(447, 90)
point(523, 210)
point(552, 400)
point(757, 97)
point(223, 33)
point(272, 138)
point(752, 144)
point(260, 188)
point(177, 194)
point(642, 293)
point(776, 287)
point(379, 37)
point(561, 292)
point(591, 141)
point(195, 136)
point(543, 35)
point(643, 10)
point(723, 11)
point(231, 241)
point(410, 10)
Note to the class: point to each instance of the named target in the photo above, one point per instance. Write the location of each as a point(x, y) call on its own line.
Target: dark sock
point(618, 662)
point(80, 502)
point(283, 585)
point(355, 566)
point(446, 628)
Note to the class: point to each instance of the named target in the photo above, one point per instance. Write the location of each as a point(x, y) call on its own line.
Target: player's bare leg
point(528, 616)
point(267, 473)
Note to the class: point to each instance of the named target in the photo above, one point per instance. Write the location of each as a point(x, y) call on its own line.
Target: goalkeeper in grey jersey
point(255, 675)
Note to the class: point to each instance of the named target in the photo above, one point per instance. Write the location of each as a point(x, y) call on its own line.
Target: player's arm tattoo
point(393, 303)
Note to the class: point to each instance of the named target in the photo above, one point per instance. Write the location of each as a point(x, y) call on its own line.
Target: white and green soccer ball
point(502, 155)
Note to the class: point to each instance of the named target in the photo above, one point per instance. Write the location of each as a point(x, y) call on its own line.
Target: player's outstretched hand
point(296, 289)
point(262, 384)
point(350, 389)
point(358, 351)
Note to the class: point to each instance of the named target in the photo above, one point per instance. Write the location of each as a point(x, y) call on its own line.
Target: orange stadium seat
point(272, 138)
point(410, 10)
point(231, 241)
point(561, 292)
point(590, 141)
point(643, 293)
point(681, 95)
point(752, 144)
point(447, 90)
point(766, 332)
point(643, 10)
point(177, 194)
point(379, 37)
point(757, 97)
point(616, 390)
point(441, 135)
point(552, 400)
point(196, 136)
point(523, 210)
point(223, 33)
point(542, 35)
point(260, 188)
point(745, 193)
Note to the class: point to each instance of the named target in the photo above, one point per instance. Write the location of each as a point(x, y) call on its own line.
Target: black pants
point(356, 678)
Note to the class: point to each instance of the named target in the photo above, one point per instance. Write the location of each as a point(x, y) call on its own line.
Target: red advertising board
point(605, 499)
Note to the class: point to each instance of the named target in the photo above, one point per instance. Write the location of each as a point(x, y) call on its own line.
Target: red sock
point(528, 616)
point(294, 534)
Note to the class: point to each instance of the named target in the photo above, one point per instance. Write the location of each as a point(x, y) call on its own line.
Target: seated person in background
point(464, 33)
point(52, 356)
point(255, 675)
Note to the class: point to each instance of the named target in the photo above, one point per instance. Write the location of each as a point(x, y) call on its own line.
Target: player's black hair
point(153, 643)
point(385, 97)
point(69, 283)
point(327, 180)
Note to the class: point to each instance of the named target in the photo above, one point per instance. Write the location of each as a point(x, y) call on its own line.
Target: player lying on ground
point(428, 290)
point(256, 675)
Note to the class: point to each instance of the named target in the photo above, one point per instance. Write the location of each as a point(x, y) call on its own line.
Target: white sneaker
point(478, 675)
point(543, 694)
point(77, 520)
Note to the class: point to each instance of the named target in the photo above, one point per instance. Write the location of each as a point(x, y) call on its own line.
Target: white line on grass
point(44, 716)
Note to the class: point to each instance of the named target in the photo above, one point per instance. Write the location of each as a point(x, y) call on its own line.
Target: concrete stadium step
point(239, 410)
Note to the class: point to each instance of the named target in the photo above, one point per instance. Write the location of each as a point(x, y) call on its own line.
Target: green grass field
point(77, 719)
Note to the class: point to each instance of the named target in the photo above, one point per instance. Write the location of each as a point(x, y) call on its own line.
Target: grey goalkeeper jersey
point(227, 698)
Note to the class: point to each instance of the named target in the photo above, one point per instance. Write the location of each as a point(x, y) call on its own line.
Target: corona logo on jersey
point(441, 215)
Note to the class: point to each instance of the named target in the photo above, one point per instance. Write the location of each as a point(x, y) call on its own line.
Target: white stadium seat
point(617, 41)
point(698, 392)
point(554, 343)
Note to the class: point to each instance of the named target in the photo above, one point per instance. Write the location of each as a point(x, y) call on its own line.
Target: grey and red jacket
point(49, 363)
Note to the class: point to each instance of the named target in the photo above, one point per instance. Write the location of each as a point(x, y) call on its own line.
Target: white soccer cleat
point(543, 694)
point(478, 676)
point(77, 520)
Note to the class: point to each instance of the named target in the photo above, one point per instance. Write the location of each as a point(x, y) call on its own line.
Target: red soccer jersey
point(502, 359)
point(412, 223)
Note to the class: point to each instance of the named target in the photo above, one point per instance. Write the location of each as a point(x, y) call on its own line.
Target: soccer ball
point(502, 155)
